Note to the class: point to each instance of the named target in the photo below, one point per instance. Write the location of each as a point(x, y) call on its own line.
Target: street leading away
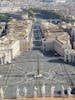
point(36, 74)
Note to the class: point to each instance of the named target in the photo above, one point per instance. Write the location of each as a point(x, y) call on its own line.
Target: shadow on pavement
point(58, 60)
point(50, 53)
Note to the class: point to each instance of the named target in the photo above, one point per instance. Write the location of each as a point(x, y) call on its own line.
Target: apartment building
point(54, 38)
point(9, 49)
point(60, 1)
point(20, 29)
point(2, 27)
point(7, 6)
point(16, 41)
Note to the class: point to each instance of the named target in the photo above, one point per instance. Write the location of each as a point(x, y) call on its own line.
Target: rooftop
point(53, 31)
point(5, 42)
point(19, 28)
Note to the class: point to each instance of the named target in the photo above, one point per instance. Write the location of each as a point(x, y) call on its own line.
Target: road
point(37, 36)
point(22, 72)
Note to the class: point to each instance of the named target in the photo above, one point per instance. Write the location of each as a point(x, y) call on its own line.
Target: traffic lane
point(37, 34)
point(36, 26)
point(37, 43)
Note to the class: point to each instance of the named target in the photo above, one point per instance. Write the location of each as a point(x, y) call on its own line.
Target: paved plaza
point(35, 74)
